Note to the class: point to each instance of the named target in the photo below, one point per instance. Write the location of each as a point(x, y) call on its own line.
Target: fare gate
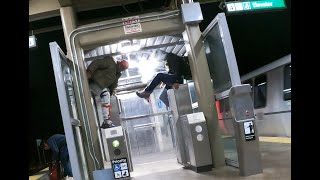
point(81, 124)
point(240, 136)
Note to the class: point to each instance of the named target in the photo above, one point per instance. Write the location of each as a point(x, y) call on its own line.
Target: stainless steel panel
point(180, 101)
point(241, 104)
point(115, 111)
point(241, 107)
point(196, 139)
point(180, 104)
point(191, 13)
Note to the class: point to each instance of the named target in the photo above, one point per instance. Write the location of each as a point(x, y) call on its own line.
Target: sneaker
point(68, 178)
point(107, 124)
point(143, 94)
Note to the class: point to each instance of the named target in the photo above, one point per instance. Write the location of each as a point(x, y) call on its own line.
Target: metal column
point(89, 127)
point(69, 24)
point(90, 124)
point(203, 85)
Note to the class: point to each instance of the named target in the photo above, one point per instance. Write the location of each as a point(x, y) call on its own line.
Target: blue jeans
point(166, 78)
point(65, 161)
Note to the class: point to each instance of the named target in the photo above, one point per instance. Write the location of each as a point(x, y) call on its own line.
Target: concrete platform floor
point(276, 163)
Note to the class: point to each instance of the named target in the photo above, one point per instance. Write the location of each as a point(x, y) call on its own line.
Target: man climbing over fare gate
point(103, 75)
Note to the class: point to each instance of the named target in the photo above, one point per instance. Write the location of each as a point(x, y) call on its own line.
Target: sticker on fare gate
point(249, 131)
point(117, 174)
point(124, 166)
point(120, 168)
point(125, 173)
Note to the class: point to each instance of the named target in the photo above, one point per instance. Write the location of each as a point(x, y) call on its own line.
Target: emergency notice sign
point(131, 25)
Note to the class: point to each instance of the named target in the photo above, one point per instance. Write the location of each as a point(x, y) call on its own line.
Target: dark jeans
point(65, 161)
point(166, 78)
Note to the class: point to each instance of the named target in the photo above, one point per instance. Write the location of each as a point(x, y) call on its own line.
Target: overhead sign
point(131, 25)
point(32, 41)
point(242, 6)
point(120, 168)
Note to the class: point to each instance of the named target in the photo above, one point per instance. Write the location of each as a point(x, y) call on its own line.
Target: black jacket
point(178, 66)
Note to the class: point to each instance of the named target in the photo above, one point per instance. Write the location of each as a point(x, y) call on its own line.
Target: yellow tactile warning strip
point(270, 139)
point(39, 174)
point(275, 139)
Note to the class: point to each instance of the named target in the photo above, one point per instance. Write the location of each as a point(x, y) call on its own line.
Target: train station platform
point(276, 163)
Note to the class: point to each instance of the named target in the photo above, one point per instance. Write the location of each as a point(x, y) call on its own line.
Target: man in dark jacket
point(103, 75)
point(58, 145)
point(172, 79)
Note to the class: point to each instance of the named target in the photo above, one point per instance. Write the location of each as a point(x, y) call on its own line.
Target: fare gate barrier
point(119, 154)
point(196, 142)
point(247, 138)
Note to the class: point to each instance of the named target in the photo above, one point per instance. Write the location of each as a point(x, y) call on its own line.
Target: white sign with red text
point(131, 25)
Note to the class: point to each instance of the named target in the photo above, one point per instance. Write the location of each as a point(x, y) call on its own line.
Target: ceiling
point(167, 44)
point(148, 57)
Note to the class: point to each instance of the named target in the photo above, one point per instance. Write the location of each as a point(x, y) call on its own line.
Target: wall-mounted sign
point(131, 25)
point(253, 5)
point(32, 41)
point(249, 131)
point(120, 168)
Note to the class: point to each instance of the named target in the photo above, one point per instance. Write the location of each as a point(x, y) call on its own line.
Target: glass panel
point(260, 91)
point(217, 60)
point(287, 83)
point(224, 105)
point(229, 142)
point(150, 137)
point(249, 82)
point(193, 95)
point(68, 81)
point(227, 133)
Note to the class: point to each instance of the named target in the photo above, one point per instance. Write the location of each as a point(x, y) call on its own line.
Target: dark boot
point(143, 94)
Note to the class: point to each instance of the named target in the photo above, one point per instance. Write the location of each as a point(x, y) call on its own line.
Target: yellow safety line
point(275, 139)
point(270, 139)
point(39, 174)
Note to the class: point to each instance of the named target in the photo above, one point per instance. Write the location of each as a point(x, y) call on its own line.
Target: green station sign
point(242, 6)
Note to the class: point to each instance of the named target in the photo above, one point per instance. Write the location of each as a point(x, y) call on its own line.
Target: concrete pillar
point(94, 156)
point(89, 125)
point(204, 90)
point(68, 24)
